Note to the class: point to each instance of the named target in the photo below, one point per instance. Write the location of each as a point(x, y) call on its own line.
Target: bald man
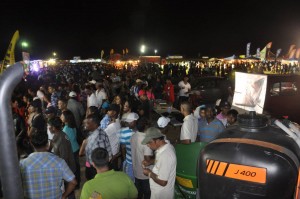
point(189, 127)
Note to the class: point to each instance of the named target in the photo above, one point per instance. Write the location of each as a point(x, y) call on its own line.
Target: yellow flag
point(102, 53)
point(9, 58)
point(126, 50)
point(123, 52)
point(112, 51)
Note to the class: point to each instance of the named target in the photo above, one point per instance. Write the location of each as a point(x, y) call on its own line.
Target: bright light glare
point(155, 51)
point(24, 44)
point(51, 61)
point(143, 48)
point(54, 53)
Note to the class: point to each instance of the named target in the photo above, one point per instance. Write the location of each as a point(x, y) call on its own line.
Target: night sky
point(190, 28)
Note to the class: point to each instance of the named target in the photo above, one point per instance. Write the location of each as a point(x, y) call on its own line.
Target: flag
point(248, 50)
point(269, 45)
point(112, 51)
point(102, 53)
point(123, 52)
point(258, 53)
point(292, 54)
point(9, 58)
point(263, 54)
point(126, 50)
point(291, 48)
point(298, 53)
point(278, 52)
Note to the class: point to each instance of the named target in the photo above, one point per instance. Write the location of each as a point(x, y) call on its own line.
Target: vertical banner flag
point(111, 51)
point(123, 52)
point(248, 50)
point(102, 53)
point(9, 58)
point(298, 53)
point(292, 54)
point(258, 53)
point(126, 50)
point(263, 54)
point(278, 52)
point(291, 48)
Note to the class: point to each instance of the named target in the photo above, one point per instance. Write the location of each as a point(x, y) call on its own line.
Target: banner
point(123, 52)
point(102, 53)
point(263, 54)
point(250, 92)
point(291, 48)
point(9, 58)
point(292, 54)
point(298, 53)
point(126, 50)
point(258, 53)
point(111, 51)
point(26, 57)
point(278, 52)
point(248, 50)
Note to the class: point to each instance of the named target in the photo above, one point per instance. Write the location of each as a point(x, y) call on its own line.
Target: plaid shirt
point(97, 138)
point(43, 174)
point(54, 99)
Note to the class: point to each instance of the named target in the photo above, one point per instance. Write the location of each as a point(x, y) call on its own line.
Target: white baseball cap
point(72, 94)
point(131, 117)
point(162, 122)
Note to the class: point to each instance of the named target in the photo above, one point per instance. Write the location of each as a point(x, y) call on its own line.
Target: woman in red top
point(169, 91)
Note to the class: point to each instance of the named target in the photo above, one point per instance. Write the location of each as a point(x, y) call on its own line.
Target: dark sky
point(186, 27)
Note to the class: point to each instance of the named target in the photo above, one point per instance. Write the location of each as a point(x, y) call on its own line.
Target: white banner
point(248, 50)
point(250, 92)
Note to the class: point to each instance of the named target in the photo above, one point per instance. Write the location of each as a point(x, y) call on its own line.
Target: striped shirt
point(43, 174)
point(209, 131)
point(125, 136)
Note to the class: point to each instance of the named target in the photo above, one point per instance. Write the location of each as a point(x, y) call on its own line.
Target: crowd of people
point(105, 115)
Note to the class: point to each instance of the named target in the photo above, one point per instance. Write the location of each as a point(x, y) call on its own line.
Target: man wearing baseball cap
point(125, 137)
point(162, 176)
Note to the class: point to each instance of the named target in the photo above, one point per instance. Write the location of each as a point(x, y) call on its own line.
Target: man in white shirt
point(139, 153)
point(91, 97)
point(113, 128)
point(162, 176)
point(189, 127)
point(100, 94)
point(185, 88)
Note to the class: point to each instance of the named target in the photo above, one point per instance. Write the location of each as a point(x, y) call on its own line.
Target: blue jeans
point(128, 169)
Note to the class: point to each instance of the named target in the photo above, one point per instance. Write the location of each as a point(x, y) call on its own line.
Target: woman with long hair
point(70, 130)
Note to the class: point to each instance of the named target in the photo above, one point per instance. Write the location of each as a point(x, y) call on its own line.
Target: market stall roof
point(233, 57)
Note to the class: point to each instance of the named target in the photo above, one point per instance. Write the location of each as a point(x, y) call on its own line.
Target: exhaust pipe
point(9, 164)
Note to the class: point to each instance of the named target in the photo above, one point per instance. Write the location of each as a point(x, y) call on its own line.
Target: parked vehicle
point(283, 97)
